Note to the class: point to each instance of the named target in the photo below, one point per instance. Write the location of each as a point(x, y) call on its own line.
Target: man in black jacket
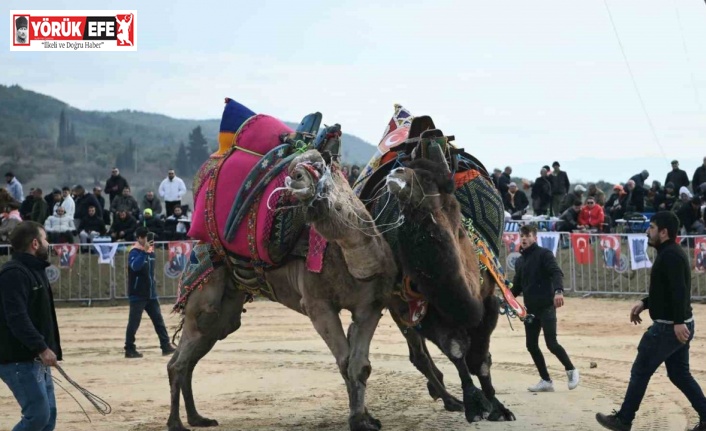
point(515, 201)
point(143, 295)
point(29, 334)
point(115, 184)
point(699, 177)
point(542, 193)
point(677, 176)
point(560, 187)
point(539, 279)
point(667, 340)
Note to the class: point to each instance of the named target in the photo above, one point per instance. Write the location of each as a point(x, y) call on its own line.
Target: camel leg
point(479, 360)
point(421, 359)
point(360, 334)
point(211, 314)
point(474, 402)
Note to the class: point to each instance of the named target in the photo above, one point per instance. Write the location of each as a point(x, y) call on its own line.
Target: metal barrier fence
point(609, 272)
point(84, 279)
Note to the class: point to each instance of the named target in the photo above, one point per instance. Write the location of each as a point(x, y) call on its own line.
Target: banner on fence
point(106, 252)
point(581, 244)
point(178, 252)
point(637, 244)
point(67, 254)
point(549, 240)
point(610, 246)
point(700, 254)
point(512, 241)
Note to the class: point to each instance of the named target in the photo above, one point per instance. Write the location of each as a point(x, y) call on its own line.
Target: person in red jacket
point(591, 216)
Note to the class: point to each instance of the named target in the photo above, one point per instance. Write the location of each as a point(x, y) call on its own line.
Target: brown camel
point(358, 275)
point(435, 251)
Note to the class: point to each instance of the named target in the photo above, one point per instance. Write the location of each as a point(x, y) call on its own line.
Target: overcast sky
point(517, 82)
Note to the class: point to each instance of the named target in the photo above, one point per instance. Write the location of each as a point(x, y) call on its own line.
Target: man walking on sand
point(667, 340)
point(539, 279)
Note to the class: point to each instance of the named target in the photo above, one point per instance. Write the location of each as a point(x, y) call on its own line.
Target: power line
point(688, 59)
point(634, 83)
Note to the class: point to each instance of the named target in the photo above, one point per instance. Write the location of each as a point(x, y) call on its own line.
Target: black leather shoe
point(130, 354)
point(612, 422)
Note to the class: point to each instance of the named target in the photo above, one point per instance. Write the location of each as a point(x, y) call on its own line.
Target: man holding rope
point(29, 334)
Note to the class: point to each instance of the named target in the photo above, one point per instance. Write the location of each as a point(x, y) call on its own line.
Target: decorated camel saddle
point(406, 138)
point(242, 215)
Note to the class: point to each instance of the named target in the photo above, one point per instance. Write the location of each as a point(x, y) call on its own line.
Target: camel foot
point(500, 413)
point(453, 404)
point(176, 426)
point(200, 421)
point(435, 395)
point(475, 404)
point(364, 422)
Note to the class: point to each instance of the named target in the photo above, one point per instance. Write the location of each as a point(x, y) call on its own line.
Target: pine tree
point(198, 150)
point(72, 135)
point(182, 161)
point(63, 131)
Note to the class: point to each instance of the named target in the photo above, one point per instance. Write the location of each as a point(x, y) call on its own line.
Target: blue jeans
point(659, 344)
point(32, 386)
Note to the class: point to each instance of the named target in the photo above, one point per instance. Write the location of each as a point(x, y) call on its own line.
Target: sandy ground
point(276, 374)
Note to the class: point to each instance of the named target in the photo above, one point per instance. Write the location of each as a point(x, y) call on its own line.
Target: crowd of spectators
point(587, 208)
point(71, 213)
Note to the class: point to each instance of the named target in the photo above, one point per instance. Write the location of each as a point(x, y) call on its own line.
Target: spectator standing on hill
point(39, 208)
point(115, 184)
point(504, 180)
point(699, 176)
point(355, 172)
point(596, 193)
point(126, 201)
point(27, 204)
point(667, 340)
point(171, 190)
point(542, 193)
point(151, 202)
point(677, 176)
point(560, 188)
point(14, 187)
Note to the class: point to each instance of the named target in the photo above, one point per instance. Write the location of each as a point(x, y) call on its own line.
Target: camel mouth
point(305, 179)
point(396, 180)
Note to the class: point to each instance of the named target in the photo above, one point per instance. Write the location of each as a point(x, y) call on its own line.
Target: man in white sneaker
point(539, 278)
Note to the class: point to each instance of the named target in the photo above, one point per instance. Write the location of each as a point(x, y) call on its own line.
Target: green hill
point(29, 130)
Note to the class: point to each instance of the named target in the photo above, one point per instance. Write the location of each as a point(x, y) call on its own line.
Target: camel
point(358, 275)
point(442, 262)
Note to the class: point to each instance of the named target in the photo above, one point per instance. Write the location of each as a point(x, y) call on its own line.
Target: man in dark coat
point(699, 177)
point(560, 187)
point(143, 295)
point(27, 204)
point(690, 216)
point(123, 228)
point(677, 176)
point(115, 184)
point(29, 333)
point(515, 201)
point(667, 340)
point(83, 201)
point(539, 279)
point(504, 180)
point(542, 193)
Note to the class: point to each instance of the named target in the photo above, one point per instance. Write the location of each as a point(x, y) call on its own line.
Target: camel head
point(309, 177)
point(423, 185)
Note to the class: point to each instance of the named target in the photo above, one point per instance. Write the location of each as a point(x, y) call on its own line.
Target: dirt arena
point(276, 374)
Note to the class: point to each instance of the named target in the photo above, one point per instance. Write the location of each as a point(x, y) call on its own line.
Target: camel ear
point(436, 154)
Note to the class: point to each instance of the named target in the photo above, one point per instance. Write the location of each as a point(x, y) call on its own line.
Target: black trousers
point(660, 345)
point(151, 306)
point(545, 320)
point(170, 205)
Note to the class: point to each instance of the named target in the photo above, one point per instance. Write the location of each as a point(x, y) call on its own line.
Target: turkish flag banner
point(581, 244)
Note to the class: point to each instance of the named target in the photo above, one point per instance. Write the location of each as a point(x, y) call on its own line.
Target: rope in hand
point(99, 403)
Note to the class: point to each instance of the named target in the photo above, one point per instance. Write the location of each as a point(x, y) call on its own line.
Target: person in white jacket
point(67, 203)
point(171, 190)
point(60, 227)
